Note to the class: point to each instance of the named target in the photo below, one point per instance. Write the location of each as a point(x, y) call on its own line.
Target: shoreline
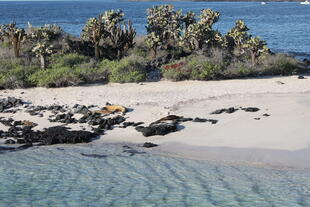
point(279, 140)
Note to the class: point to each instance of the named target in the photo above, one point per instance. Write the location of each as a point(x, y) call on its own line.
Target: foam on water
point(61, 176)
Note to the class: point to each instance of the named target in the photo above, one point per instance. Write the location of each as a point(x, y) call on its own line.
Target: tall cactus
point(256, 47)
point(107, 26)
point(164, 26)
point(122, 38)
point(94, 31)
point(14, 34)
point(43, 38)
point(236, 37)
point(201, 33)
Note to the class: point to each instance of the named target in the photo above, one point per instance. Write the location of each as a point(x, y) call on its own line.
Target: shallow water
point(284, 25)
point(61, 176)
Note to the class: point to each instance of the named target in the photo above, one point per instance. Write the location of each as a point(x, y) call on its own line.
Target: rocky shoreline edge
point(20, 134)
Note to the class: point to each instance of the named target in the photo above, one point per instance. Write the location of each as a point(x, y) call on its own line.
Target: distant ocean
point(284, 25)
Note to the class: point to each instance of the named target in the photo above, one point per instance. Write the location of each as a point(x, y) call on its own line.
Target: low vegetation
point(177, 46)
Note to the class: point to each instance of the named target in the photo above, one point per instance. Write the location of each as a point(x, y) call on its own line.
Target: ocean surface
point(114, 175)
point(284, 25)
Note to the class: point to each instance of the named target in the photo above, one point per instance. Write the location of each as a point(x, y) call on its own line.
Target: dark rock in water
point(257, 118)
point(266, 115)
point(157, 129)
point(149, 145)
point(10, 141)
point(229, 110)
point(250, 109)
point(25, 146)
point(306, 61)
point(301, 77)
point(94, 155)
point(132, 152)
point(9, 103)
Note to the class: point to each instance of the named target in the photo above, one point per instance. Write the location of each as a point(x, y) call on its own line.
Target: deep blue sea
point(284, 25)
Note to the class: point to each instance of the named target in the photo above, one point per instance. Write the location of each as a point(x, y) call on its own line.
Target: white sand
point(282, 139)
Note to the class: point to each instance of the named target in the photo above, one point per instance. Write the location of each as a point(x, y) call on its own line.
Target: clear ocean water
point(285, 25)
point(60, 176)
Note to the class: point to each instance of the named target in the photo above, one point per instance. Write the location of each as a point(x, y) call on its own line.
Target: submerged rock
point(94, 155)
point(149, 145)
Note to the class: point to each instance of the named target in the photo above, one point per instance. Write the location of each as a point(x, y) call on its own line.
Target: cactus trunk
point(97, 51)
point(16, 47)
point(43, 61)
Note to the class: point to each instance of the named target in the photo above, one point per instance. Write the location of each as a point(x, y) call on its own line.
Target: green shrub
point(89, 72)
point(68, 60)
point(128, 69)
point(280, 64)
point(16, 77)
point(240, 69)
point(55, 77)
point(193, 68)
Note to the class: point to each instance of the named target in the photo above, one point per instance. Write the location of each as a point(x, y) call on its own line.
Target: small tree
point(256, 47)
point(42, 50)
point(13, 34)
point(43, 38)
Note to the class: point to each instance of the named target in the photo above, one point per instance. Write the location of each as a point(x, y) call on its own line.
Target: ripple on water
point(53, 176)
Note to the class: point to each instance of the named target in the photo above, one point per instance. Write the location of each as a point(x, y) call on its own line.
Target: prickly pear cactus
point(13, 34)
point(200, 34)
point(164, 26)
point(256, 47)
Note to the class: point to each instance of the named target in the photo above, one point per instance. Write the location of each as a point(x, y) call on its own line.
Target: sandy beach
point(281, 139)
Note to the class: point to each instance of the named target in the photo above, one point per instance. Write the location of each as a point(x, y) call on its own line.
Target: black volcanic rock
point(229, 110)
point(9, 102)
point(250, 109)
point(157, 129)
point(149, 145)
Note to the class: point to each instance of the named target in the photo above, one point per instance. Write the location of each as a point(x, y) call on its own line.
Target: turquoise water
point(284, 25)
point(61, 176)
